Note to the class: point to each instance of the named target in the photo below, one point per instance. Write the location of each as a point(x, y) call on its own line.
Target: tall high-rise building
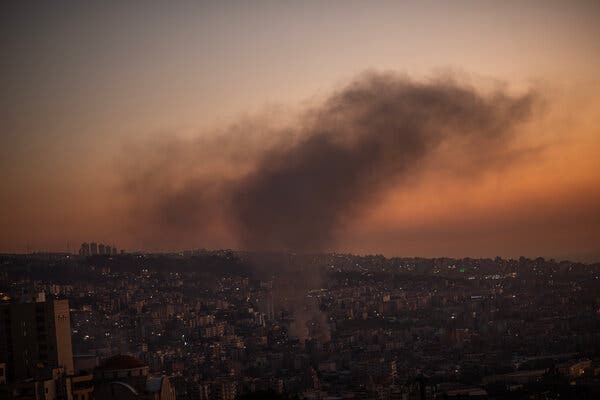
point(94, 248)
point(101, 249)
point(84, 250)
point(107, 250)
point(35, 337)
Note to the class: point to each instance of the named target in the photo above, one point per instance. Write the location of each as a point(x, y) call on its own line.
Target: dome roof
point(121, 361)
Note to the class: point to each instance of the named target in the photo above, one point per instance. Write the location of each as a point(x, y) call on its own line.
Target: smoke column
point(293, 190)
point(364, 139)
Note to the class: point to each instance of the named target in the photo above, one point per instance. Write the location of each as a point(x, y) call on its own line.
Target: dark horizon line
point(584, 258)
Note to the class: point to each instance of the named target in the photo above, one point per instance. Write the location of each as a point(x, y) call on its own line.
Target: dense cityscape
point(300, 200)
point(227, 325)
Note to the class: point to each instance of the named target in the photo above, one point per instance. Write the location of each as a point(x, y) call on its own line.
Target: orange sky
point(83, 85)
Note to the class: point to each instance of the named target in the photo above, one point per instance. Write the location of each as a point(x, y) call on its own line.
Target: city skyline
point(224, 325)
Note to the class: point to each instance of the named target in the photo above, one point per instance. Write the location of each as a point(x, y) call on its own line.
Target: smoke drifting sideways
point(292, 188)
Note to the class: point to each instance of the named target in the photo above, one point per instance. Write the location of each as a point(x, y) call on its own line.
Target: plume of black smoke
point(293, 189)
point(364, 139)
point(308, 179)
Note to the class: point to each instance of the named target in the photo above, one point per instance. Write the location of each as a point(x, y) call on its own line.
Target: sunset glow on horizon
point(147, 127)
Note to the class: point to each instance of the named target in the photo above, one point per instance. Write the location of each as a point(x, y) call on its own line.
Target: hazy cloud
point(293, 188)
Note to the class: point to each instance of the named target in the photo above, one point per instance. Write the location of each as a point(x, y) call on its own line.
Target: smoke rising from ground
point(292, 188)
